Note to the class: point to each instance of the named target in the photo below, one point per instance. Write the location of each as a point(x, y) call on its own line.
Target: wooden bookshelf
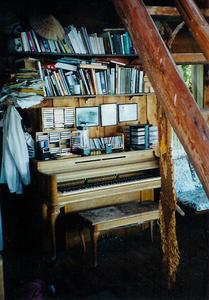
point(95, 96)
point(179, 58)
point(57, 55)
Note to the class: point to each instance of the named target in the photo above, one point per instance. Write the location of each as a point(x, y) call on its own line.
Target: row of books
point(116, 142)
point(141, 136)
point(77, 41)
point(62, 79)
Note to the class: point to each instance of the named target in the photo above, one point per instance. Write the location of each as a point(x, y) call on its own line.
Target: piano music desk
point(101, 220)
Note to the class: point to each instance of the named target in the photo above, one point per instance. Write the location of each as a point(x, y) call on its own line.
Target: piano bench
point(106, 218)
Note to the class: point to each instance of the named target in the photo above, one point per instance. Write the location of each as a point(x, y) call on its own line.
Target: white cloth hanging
point(15, 159)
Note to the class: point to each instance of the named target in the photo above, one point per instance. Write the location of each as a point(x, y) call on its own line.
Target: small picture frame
point(128, 112)
point(109, 116)
point(87, 116)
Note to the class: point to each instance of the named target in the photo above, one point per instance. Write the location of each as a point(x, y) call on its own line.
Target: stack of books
point(78, 41)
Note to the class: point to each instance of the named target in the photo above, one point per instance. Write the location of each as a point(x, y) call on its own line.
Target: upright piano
point(82, 183)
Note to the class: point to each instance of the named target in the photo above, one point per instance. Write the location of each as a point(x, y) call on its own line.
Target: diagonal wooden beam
point(196, 23)
point(176, 99)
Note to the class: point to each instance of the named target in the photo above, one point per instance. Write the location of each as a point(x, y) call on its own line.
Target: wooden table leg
point(53, 213)
point(94, 237)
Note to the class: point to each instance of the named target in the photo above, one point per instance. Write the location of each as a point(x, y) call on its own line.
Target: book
point(65, 66)
point(62, 75)
point(35, 40)
point(49, 46)
point(25, 41)
point(31, 42)
point(86, 40)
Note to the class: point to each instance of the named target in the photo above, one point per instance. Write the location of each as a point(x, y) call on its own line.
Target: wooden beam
point(196, 23)
point(176, 99)
point(179, 58)
point(169, 11)
point(189, 58)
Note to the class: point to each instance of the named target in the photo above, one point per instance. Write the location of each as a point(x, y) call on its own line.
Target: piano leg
point(53, 213)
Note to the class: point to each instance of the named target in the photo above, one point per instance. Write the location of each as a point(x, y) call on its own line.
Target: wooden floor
point(130, 267)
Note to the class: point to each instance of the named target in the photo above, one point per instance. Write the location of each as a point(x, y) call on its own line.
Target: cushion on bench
point(120, 211)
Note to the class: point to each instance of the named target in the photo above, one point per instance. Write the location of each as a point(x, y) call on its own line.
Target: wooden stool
point(111, 217)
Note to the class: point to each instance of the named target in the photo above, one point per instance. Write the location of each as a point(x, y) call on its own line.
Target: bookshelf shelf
point(179, 58)
point(95, 96)
point(50, 54)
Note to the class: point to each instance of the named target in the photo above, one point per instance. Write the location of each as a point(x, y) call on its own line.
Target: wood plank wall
point(146, 110)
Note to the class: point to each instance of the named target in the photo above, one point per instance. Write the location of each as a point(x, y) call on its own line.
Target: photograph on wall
point(87, 116)
point(128, 112)
point(109, 114)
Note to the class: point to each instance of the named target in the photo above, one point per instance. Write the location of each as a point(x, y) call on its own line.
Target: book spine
point(73, 42)
point(98, 83)
point(41, 44)
point(30, 40)
point(111, 43)
point(62, 75)
point(67, 44)
point(57, 47)
point(41, 73)
point(36, 41)
point(25, 42)
point(84, 81)
point(86, 37)
point(57, 83)
point(50, 46)
point(61, 84)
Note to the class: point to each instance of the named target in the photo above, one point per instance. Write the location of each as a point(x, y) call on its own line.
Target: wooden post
point(176, 99)
point(196, 23)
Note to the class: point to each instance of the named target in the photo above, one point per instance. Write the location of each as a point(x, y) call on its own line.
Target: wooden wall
point(146, 110)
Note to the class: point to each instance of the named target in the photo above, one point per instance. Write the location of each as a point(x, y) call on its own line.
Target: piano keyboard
point(107, 184)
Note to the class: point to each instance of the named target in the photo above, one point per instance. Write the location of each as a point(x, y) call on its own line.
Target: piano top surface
point(91, 165)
